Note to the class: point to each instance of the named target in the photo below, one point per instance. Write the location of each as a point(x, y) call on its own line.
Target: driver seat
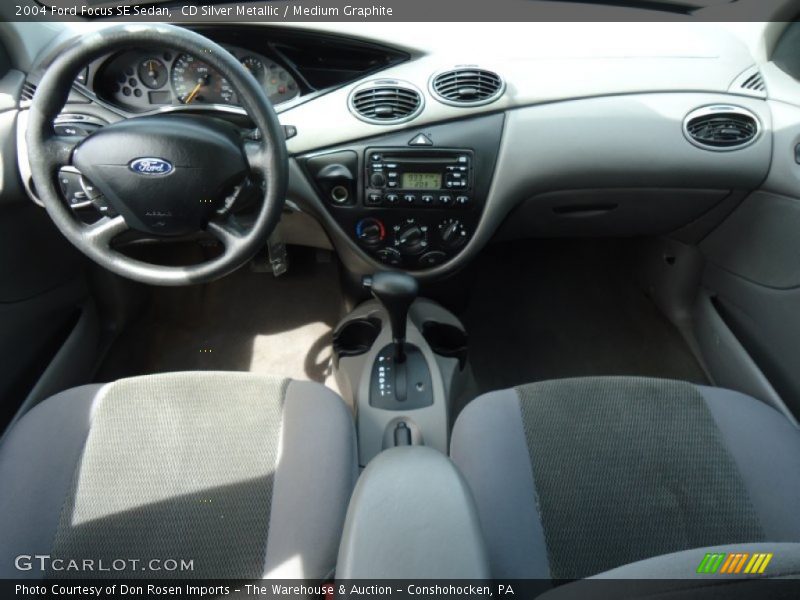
point(245, 476)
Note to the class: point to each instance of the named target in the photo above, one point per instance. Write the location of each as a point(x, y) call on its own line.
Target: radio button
point(374, 199)
point(391, 199)
point(410, 198)
point(376, 157)
point(445, 200)
point(392, 184)
point(462, 201)
point(427, 200)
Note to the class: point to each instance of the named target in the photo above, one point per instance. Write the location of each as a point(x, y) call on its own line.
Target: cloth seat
point(227, 474)
point(575, 477)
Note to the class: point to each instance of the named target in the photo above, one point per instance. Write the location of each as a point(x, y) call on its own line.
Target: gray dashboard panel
point(617, 142)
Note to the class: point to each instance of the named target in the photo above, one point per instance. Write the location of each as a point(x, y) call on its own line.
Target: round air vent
point(467, 86)
point(721, 127)
point(386, 101)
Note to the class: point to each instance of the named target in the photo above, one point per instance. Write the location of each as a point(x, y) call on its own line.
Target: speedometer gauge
point(195, 81)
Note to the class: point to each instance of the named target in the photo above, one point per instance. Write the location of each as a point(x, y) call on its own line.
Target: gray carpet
point(246, 321)
point(550, 309)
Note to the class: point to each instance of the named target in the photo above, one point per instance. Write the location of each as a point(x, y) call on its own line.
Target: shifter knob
point(395, 291)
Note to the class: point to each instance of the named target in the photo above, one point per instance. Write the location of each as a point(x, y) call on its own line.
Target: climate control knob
point(410, 237)
point(370, 231)
point(452, 233)
point(390, 256)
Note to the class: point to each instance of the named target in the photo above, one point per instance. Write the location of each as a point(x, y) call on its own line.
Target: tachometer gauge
point(152, 73)
point(196, 82)
point(254, 65)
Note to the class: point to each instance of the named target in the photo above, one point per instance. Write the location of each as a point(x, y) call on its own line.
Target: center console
point(402, 361)
point(410, 200)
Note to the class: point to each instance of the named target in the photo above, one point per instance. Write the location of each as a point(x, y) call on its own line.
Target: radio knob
point(377, 180)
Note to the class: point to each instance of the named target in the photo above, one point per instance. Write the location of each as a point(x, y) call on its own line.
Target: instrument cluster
point(145, 80)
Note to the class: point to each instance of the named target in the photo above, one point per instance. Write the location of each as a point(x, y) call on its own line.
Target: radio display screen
point(421, 181)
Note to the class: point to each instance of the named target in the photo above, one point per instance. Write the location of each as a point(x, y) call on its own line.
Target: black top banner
point(321, 11)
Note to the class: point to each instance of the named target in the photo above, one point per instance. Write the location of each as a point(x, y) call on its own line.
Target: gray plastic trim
point(784, 173)
point(727, 361)
point(72, 365)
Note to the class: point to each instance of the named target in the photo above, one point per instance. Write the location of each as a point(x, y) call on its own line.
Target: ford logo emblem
point(151, 166)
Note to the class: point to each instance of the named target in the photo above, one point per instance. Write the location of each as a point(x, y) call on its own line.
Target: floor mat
point(246, 321)
point(564, 308)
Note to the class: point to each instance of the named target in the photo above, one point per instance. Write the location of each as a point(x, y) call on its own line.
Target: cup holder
point(356, 337)
point(446, 340)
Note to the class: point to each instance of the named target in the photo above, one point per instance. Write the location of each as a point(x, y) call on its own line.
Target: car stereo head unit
point(416, 177)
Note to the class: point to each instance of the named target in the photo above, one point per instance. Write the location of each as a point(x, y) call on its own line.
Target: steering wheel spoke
point(226, 231)
point(105, 230)
point(257, 155)
point(61, 147)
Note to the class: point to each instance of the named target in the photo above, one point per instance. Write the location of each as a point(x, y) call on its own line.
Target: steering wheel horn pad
point(166, 174)
point(163, 174)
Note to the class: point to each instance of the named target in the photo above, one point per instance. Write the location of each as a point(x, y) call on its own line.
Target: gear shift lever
point(395, 291)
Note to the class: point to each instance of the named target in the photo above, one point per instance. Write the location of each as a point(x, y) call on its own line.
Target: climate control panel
point(411, 241)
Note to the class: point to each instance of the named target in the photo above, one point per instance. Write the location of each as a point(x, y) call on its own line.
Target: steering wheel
point(163, 175)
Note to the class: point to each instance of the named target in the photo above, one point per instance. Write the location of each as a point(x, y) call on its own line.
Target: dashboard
point(142, 80)
point(584, 131)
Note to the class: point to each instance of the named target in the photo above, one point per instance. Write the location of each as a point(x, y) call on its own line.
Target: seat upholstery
point(248, 476)
point(491, 445)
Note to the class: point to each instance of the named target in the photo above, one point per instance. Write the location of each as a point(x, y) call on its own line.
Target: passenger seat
point(575, 477)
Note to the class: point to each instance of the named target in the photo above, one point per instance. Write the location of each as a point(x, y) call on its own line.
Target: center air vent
point(386, 101)
point(467, 86)
point(721, 127)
